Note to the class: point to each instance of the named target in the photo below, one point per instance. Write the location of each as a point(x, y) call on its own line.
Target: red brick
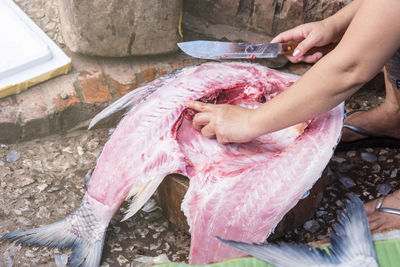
point(121, 74)
point(94, 87)
point(148, 73)
point(60, 93)
point(31, 104)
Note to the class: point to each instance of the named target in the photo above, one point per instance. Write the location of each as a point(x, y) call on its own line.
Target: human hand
point(314, 34)
point(226, 123)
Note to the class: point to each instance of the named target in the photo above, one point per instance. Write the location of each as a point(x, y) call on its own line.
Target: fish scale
point(235, 190)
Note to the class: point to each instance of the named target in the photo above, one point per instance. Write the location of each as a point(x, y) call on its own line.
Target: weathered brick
point(148, 72)
point(33, 113)
point(94, 87)
point(60, 93)
point(9, 130)
point(90, 78)
point(121, 74)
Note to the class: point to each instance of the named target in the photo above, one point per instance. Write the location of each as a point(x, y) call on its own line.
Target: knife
point(228, 50)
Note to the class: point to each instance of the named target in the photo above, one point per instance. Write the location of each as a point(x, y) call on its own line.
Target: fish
point(351, 244)
point(229, 184)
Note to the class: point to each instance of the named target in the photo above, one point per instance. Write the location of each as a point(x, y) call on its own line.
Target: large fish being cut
point(237, 191)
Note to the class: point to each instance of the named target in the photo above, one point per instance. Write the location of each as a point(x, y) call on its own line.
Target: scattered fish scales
point(12, 156)
point(229, 184)
point(368, 157)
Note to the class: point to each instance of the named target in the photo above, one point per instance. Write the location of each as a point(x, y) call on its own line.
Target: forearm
point(313, 94)
point(370, 40)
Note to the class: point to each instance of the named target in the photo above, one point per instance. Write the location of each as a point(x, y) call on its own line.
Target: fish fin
point(141, 196)
point(133, 98)
point(351, 236)
point(79, 231)
point(284, 254)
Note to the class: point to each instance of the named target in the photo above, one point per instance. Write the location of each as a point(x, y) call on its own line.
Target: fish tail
point(284, 254)
point(80, 231)
point(351, 239)
point(351, 235)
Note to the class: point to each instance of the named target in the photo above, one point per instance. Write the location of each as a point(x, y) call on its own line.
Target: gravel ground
point(45, 181)
point(45, 14)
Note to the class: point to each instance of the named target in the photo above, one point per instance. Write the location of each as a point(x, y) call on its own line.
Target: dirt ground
point(46, 182)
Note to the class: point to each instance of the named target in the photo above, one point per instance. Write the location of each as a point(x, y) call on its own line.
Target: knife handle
point(289, 47)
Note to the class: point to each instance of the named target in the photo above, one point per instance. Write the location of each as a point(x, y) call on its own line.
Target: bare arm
point(371, 39)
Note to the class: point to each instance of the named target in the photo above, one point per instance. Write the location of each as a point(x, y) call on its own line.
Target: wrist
point(257, 122)
point(335, 25)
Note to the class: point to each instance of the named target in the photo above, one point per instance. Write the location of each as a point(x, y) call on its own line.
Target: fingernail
point(296, 52)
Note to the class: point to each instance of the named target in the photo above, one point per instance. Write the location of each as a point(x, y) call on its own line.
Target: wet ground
point(42, 181)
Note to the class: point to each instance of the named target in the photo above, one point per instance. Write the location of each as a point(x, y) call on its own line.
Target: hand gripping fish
point(351, 244)
point(237, 191)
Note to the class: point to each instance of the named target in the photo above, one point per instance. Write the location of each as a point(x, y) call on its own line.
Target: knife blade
point(228, 50)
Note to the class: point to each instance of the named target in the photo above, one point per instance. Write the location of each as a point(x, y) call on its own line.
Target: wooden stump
point(172, 190)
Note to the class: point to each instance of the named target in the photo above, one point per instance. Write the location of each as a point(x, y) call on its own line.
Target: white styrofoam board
point(26, 52)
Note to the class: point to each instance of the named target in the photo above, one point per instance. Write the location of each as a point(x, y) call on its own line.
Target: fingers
point(304, 46)
point(199, 106)
point(295, 59)
point(200, 120)
point(295, 34)
point(208, 131)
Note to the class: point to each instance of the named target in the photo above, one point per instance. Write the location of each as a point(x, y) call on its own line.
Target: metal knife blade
point(224, 50)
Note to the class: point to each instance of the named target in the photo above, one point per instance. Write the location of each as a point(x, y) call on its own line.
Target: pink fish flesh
point(237, 191)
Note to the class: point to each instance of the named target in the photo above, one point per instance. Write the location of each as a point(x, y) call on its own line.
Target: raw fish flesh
point(237, 191)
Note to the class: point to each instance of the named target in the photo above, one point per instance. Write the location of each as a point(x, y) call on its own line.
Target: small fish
point(351, 244)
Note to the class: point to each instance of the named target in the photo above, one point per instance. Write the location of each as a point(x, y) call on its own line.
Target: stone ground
point(45, 181)
point(45, 14)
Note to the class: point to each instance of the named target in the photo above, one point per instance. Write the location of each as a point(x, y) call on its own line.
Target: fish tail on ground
point(81, 231)
point(351, 236)
point(284, 255)
point(351, 244)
